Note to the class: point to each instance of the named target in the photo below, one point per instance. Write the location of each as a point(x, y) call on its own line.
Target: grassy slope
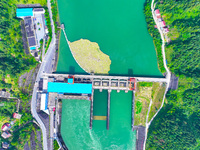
point(145, 92)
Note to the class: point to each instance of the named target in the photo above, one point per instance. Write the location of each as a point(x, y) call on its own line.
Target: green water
point(118, 27)
point(100, 103)
point(77, 135)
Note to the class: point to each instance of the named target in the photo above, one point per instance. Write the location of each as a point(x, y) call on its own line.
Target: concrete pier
point(107, 82)
point(108, 110)
point(91, 109)
point(133, 110)
point(62, 26)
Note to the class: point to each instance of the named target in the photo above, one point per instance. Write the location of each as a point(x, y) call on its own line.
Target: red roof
point(132, 79)
point(15, 115)
point(163, 23)
point(5, 126)
point(159, 16)
point(157, 11)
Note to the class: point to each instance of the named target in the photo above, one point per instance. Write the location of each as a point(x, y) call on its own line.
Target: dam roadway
point(102, 78)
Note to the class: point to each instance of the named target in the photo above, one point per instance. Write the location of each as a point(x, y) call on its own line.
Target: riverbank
point(123, 36)
point(155, 35)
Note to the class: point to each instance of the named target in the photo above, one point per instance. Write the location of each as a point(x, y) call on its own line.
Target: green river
point(120, 30)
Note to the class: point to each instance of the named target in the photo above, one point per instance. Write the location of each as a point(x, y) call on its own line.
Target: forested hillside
point(13, 60)
point(177, 126)
point(13, 63)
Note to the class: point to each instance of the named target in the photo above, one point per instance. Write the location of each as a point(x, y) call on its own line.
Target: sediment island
point(89, 56)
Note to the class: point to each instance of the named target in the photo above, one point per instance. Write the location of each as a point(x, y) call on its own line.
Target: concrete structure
point(84, 85)
point(6, 127)
point(106, 82)
point(5, 145)
point(4, 94)
point(45, 83)
point(17, 116)
point(46, 66)
point(140, 137)
point(6, 134)
point(44, 103)
point(76, 88)
point(34, 26)
point(24, 12)
point(163, 24)
point(173, 82)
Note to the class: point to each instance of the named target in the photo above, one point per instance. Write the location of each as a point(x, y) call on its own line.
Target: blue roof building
point(24, 12)
point(76, 88)
point(70, 80)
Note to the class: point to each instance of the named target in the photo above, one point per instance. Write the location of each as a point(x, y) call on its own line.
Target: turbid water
point(120, 30)
point(75, 124)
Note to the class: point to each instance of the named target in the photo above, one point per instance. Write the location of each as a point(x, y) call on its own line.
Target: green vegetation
point(177, 125)
point(146, 84)
point(155, 34)
point(41, 2)
point(138, 107)
point(48, 23)
point(89, 56)
point(54, 8)
point(55, 145)
point(147, 91)
point(14, 62)
point(158, 91)
point(142, 96)
point(21, 129)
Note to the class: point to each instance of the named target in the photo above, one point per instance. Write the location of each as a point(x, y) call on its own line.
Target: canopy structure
point(76, 88)
point(24, 12)
point(44, 103)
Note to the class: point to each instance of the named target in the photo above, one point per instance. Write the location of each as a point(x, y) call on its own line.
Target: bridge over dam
point(101, 82)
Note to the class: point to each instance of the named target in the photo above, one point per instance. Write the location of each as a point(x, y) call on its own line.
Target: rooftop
point(78, 88)
point(157, 11)
point(24, 12)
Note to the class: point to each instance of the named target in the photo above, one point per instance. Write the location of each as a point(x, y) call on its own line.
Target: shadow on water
point(72, 69)
point(129, 74)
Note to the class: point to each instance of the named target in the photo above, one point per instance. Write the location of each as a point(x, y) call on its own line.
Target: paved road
point(46, 66)
point(51, 128)
point(168, 75)
point(139, 79)
point(43, 48)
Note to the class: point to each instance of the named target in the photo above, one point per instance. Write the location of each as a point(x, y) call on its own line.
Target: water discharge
point(75, 124)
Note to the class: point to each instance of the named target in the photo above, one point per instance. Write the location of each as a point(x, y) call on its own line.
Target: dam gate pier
point(82, 87)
